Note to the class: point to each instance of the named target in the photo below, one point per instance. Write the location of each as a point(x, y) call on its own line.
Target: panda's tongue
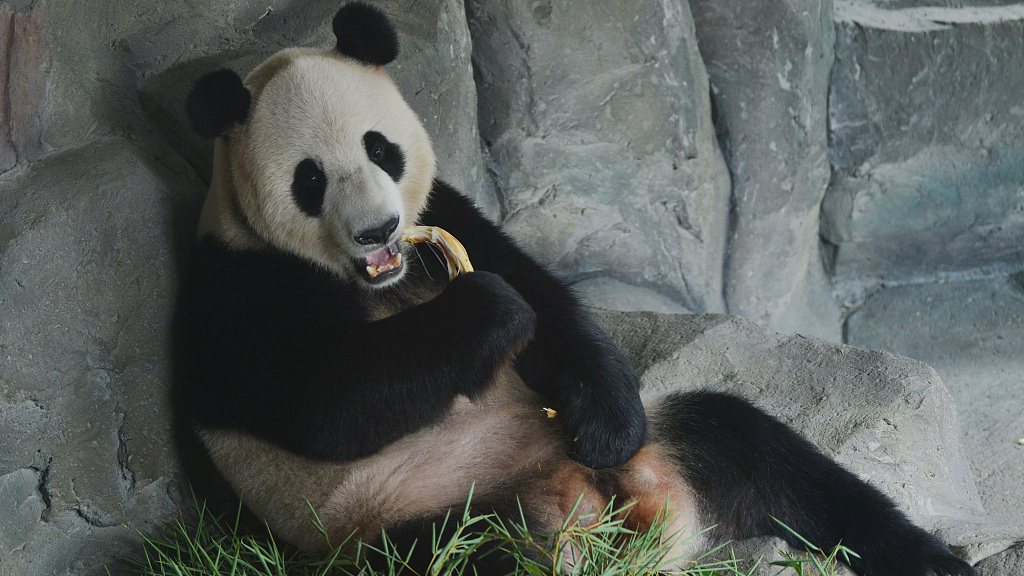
point(383, 260)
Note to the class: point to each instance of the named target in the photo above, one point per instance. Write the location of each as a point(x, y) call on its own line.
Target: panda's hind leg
point(654, 493)
point(748, 472)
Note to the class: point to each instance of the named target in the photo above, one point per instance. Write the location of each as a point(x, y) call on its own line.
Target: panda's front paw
point(488, 322)
point(602, 417)
point(487, 301)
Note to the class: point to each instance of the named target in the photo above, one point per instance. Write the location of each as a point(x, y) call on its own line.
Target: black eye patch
point(308, 187)
point(385, 154)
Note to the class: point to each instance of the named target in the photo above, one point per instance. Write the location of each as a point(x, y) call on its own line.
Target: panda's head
point(317, 153)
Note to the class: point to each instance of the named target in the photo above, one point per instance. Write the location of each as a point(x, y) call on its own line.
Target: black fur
point(308, 187)
point(365, 34)
point(748, 467)
point(571, 360)
point(217, 102)
point(270, 344)
point(275, 346)
point(385, 153)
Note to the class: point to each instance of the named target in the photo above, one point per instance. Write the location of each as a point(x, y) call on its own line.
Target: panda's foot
point(657, 496)
point(603, 420)
point(569, 497)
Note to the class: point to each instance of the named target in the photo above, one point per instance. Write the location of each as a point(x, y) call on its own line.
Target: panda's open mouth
point(382, 264)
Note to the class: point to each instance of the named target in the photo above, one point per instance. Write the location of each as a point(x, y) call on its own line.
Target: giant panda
point(326, 367)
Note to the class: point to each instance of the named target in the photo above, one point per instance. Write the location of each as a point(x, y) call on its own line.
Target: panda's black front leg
point(571, 361)
point(270, 345)
point(595, 389)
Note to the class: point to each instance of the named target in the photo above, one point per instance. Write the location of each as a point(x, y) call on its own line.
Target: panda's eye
point(385, 154)
point(377, 153)
point(308, 187)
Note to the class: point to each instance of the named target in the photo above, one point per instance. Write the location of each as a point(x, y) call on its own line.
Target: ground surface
point(972, 334)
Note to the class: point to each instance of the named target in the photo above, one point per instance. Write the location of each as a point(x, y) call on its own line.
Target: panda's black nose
point(378, 235)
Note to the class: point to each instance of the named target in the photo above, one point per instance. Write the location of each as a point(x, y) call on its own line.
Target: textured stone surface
point(23, 75)
point(848, 401)
point(614, 295)
point(597, 120)
point(433, 71)
point(972, 333)
point(101, 49)
point(927, 148)
point(769, 66)
point(887, 418)
point(1009, 562)
point(87, 245)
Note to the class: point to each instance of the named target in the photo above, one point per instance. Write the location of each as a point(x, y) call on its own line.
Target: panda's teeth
point(377, 270)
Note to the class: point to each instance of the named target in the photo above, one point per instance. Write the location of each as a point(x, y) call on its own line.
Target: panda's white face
point(331, 164)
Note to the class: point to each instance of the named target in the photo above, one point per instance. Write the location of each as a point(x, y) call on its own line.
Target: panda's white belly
point(494, 444)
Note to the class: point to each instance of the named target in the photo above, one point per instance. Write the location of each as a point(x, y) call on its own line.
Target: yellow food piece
point(454, 254)
point(551, 412)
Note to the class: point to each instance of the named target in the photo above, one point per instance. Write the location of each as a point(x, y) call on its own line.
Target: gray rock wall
point(927, 134)
point(597, 121)
point(1010, 561)
point(586, 129)
point(972, 333)
point(88, 269)
point(769, 65)
point(23, 57)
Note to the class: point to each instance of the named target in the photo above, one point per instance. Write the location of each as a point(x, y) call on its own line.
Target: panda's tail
point(754, 476)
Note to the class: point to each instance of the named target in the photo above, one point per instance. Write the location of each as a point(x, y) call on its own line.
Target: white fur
point(493, 445)
point(312, 104)
point(501, 444)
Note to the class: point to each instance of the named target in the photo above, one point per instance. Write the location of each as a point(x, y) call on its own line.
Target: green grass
point(217, 546)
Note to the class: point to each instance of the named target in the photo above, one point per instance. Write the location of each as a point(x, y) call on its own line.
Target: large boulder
point(972, 333)
point(769, 65)
point(90, 258)
point(887, 418)
point(927, 147)
point(597, 120)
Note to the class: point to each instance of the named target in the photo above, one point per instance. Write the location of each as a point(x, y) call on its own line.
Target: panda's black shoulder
point(226, 288)
point(237, 313)
point(445, 200)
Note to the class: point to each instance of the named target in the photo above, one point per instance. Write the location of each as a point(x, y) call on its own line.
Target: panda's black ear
point(365, 34)
point(218, 101)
